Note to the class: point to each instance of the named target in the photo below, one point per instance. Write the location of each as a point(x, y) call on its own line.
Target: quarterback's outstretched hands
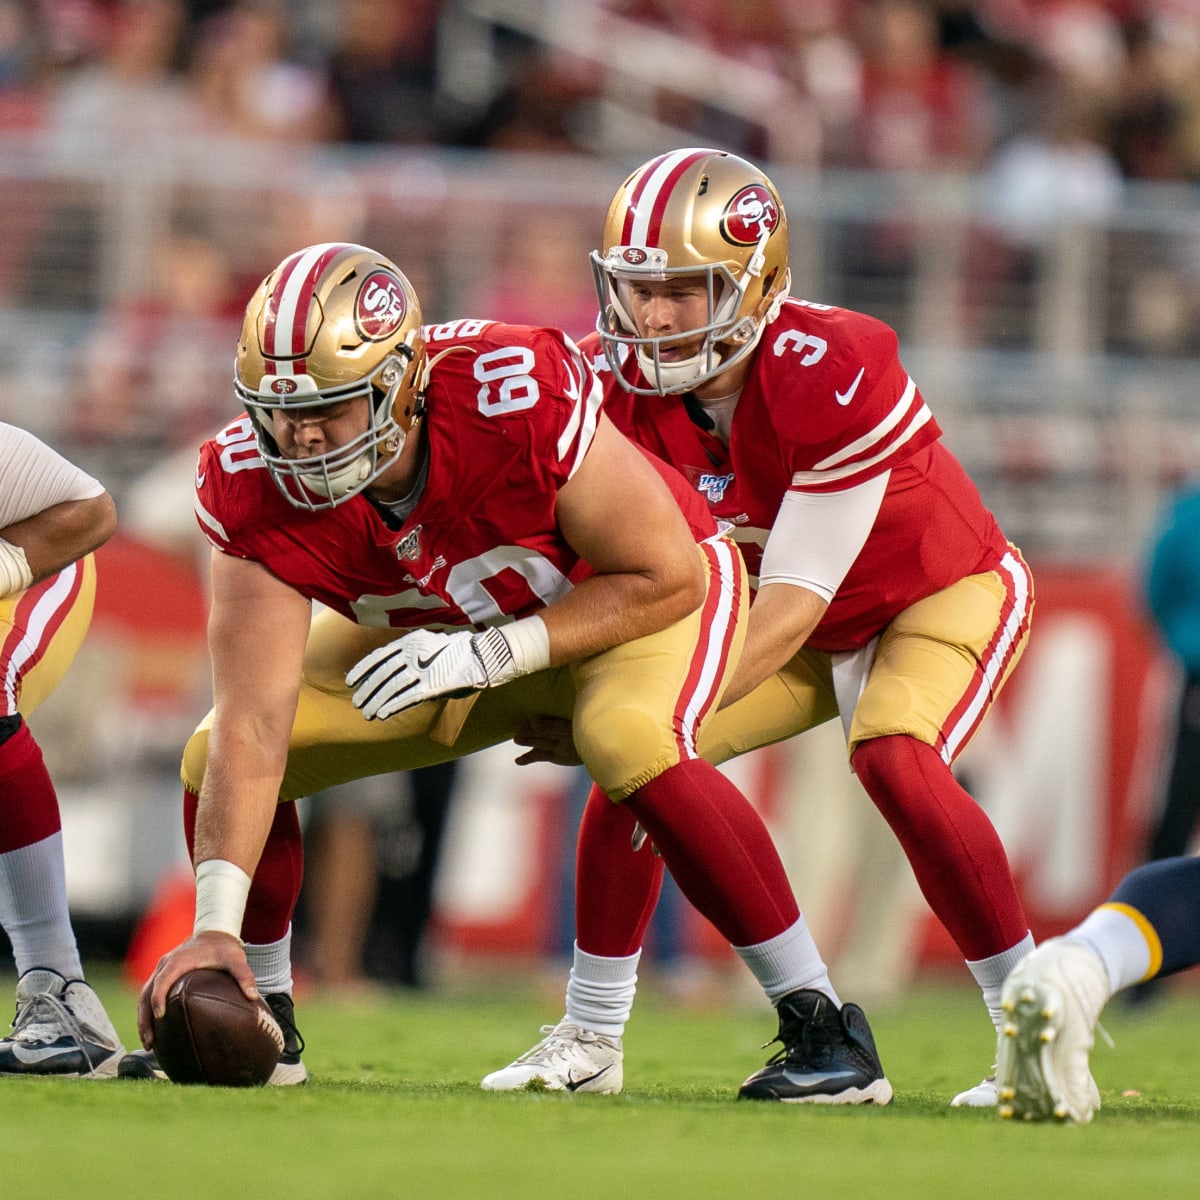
point(426, 664)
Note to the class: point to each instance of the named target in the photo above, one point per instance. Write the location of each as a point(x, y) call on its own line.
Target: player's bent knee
point(893, 706)
point(195, 757)
point(624, 747)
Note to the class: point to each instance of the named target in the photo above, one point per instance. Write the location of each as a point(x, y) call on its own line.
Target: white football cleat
point(568, 1059)
point(1051, 1000)
point(982, 1095)
point(60, 1029)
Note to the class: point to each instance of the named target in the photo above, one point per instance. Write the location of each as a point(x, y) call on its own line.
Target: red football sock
point(719, 851)
point(28, 804)
point(955, 852)
point(615, 889)
point(277, 878)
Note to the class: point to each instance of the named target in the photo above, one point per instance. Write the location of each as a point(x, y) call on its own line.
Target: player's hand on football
point(210, 949)
point(549, 740)
point(417, 667)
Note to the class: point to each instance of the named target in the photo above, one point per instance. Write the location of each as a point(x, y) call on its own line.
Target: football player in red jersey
point(456, 483)
point(52, 516)
point(886, 592)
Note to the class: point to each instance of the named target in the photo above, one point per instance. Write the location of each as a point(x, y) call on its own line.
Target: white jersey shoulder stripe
point(581, 428)
point(809, 478)
point(880, 431)
point(209, 522)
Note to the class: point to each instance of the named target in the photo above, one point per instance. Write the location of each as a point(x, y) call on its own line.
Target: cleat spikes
point(1057, 993)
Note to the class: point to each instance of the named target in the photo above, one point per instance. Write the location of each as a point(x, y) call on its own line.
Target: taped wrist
point(15, 575)
point(221, 891)
point(511, 651)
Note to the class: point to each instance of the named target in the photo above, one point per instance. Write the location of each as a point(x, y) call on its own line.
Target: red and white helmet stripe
point(286, 317)
point(652, 193)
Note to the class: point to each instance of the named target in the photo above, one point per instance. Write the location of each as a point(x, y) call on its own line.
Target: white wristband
point(221, 891)
point(529, 641)
point(15, 575)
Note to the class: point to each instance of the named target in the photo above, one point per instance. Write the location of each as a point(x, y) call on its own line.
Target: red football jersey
point(828, 405)
point(511, 414)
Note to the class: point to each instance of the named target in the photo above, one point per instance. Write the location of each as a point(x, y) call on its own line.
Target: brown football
point(210, 1033)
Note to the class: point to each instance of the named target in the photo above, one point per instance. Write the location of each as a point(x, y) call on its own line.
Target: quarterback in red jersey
point(456, 482)
point(886, 592)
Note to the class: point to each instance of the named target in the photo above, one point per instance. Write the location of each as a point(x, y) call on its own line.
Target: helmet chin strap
point(349, 478)
point(677, 376)
point(333, 485)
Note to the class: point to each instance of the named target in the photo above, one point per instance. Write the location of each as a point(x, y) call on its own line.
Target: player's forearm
point(781, 619)
point(63, 533)
point(237, 801)
point(608, 610)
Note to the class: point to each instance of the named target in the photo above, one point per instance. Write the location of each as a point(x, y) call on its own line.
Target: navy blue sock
point(1167, 894)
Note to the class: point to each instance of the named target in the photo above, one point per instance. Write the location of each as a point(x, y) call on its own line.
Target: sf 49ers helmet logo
point(634, 255)
point(380, 306)
point(283, 386)
point(748, 214)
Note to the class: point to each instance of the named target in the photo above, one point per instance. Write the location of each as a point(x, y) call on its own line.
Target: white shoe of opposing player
point(568, 1058)
point(60, 1029)
point(1051, 1000)
point(982, 1095)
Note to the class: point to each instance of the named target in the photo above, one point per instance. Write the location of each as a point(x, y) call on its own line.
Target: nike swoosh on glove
point(427, 664)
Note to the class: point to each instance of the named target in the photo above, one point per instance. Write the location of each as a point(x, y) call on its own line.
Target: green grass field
point(394, 1109)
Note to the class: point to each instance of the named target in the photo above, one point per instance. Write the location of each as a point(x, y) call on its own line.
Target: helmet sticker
point(380, 306)
point(748, 214)
point(283, 385)
point(634, 255)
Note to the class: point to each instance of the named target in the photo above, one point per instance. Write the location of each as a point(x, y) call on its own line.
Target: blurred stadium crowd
point(996, 177)
point(884, 84)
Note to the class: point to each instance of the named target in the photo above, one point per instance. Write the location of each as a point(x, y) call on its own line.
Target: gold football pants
point(41, 630)
point(936, 671)
point(636, 709)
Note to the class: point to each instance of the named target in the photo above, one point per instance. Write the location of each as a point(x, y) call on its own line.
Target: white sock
point(33, 908)
point(1117, 940)
point(990, 974)
point(787, 962)
point(600, 991)
point(271, 963)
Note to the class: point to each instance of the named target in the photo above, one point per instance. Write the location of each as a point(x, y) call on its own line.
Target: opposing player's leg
point(1149, 928)
point(936, 673)
point(636, 725)
point(60, 1027)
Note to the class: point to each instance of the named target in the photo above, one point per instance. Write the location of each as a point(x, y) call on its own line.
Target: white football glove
point(426, 664)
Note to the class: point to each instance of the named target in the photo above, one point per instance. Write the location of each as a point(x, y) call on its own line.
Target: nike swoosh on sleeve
point(844, 398)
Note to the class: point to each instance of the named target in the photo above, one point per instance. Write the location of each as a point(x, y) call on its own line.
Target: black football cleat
point(141, 1064)
point(828, 1056)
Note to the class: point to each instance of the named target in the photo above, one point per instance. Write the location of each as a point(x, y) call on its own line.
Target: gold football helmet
point(332, 322)
point(702, 213)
